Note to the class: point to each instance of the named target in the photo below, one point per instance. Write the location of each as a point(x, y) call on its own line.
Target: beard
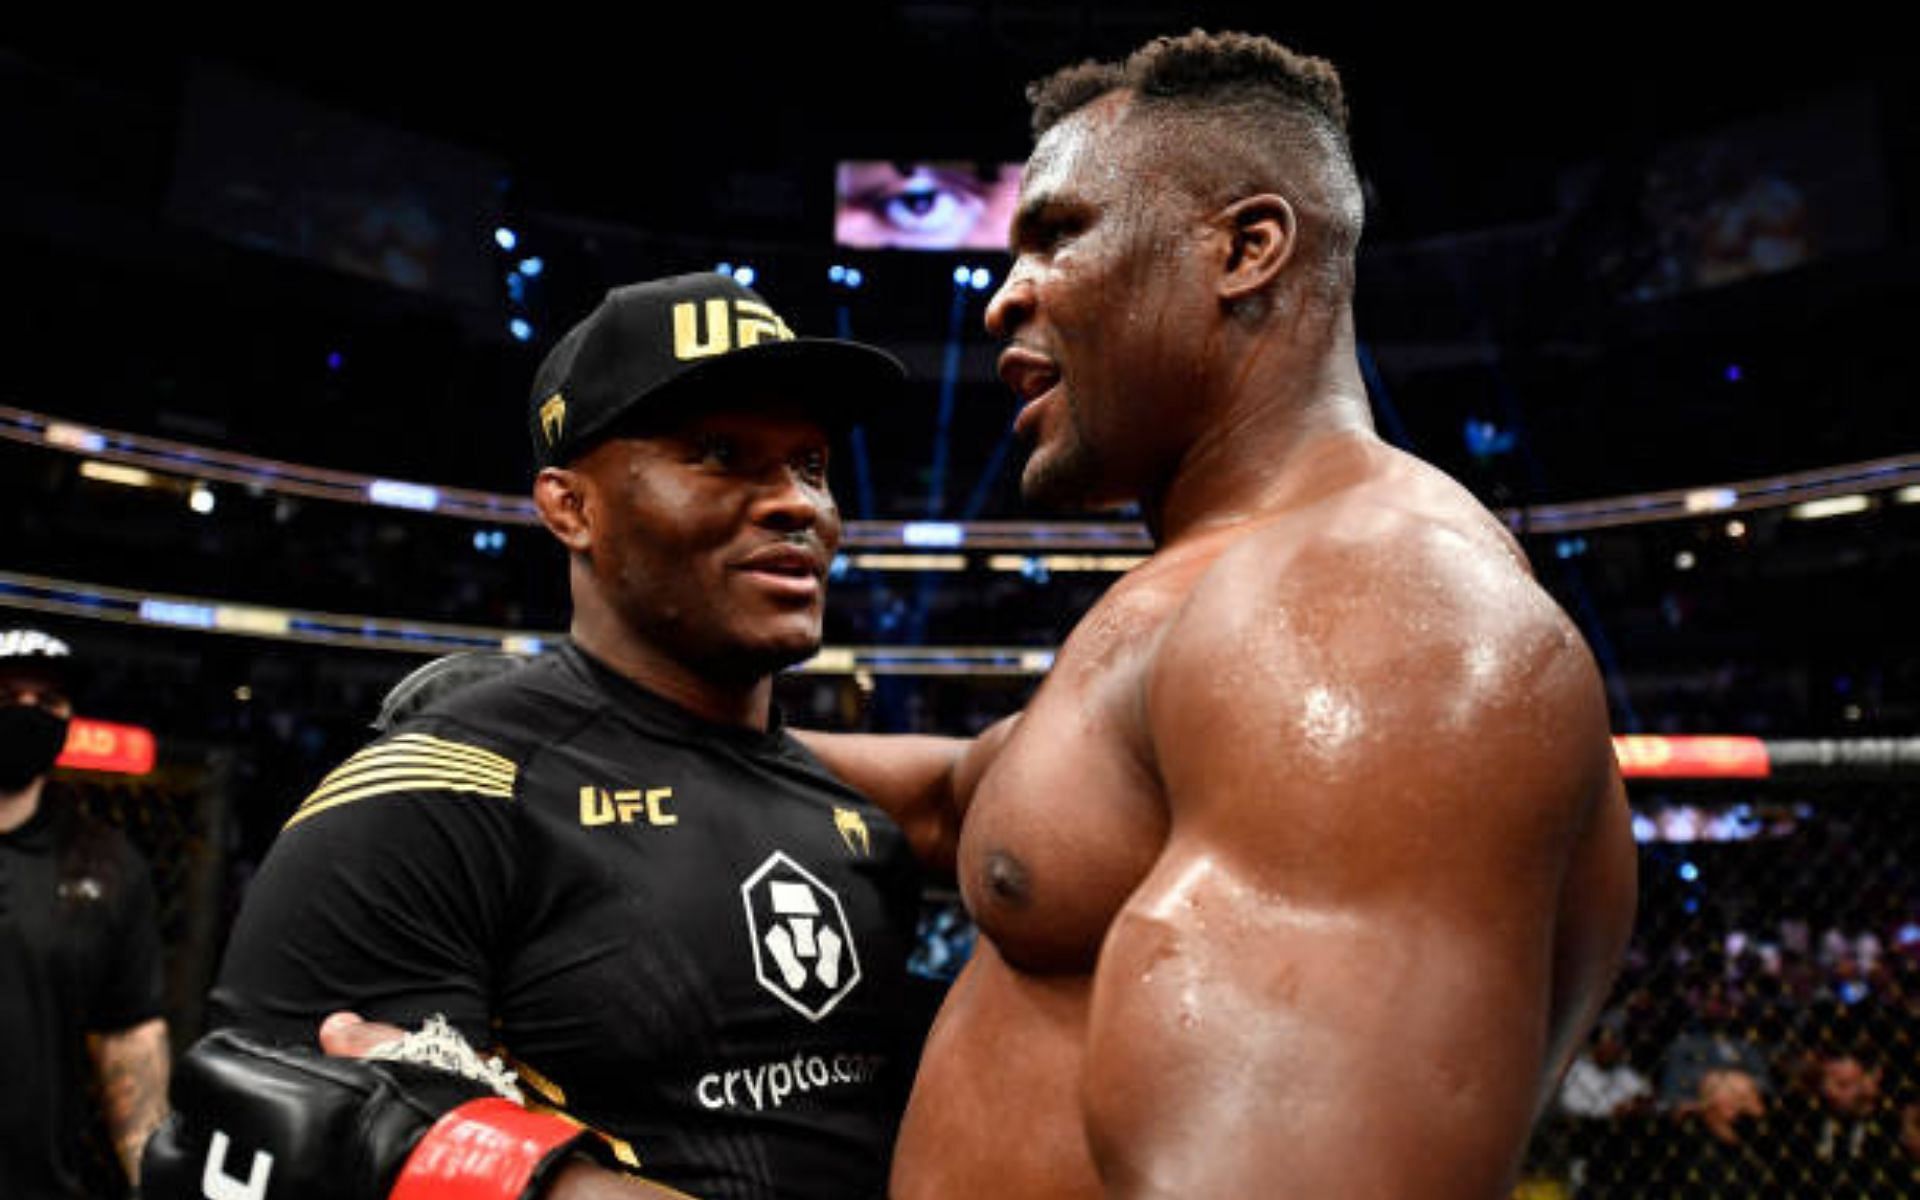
point(1066, 473)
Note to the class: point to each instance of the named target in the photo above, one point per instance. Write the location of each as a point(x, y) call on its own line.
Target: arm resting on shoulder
point(923, 782)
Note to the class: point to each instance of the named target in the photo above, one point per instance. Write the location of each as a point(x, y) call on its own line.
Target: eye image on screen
point(924, 205)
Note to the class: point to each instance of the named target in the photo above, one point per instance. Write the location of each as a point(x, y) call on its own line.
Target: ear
point(563, 499)
point(1263, 231)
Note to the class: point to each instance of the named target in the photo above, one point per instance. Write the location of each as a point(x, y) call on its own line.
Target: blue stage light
point(505, 238)
point(531, 267)
point(837, 273)
point(853, 277)
point(521, 329)
point(746, 275)
point(963, 275)
point(981, 279)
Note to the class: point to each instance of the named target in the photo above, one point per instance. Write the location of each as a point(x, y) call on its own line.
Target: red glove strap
point(485, 1149)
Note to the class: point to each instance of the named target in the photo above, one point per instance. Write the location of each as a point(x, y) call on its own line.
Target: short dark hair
point(1221, 68)
point(1285, 114)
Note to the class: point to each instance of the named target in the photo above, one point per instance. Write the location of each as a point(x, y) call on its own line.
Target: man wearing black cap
point(612, 867)
point(79, 951)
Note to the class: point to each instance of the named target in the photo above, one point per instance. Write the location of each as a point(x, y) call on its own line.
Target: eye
point(811, 465)
point(716, 450)
point(927, 206)
point(1043, 231)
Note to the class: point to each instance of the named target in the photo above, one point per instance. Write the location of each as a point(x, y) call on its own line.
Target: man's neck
point(1262, 444)
point(748, 705)
point(17, 808)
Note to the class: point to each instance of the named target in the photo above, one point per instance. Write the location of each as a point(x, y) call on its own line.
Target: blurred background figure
point(1721, 1144)
point(1602, 1083)
point(1847, 1132)
point(80, 977)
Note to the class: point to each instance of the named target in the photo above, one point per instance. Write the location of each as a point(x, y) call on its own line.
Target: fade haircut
point(1255, 115)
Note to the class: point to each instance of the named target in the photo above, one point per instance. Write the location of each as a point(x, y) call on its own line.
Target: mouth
point(1033, 377)
point(785, 569)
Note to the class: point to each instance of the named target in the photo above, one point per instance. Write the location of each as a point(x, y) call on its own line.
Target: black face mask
point(30, 739)
point(1749, 1128)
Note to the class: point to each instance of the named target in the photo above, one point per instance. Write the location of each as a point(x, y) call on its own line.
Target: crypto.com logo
point(803, 948)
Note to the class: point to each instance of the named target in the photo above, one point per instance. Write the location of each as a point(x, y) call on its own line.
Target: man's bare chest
point(1070, 817)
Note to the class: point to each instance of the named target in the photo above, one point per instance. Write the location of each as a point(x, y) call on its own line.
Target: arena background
point(271, 302)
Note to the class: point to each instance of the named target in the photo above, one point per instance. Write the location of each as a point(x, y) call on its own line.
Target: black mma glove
point(258, 1122)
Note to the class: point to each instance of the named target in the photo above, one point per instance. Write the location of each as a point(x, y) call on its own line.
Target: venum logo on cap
point(553, 417)
point(803, 949)
point(750, 325)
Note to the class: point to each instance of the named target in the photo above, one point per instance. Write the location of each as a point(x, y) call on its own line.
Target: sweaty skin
point(1281, 880)
point(1308, 866)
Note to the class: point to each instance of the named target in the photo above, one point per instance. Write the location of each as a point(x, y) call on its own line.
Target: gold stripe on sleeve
point(412, 760)
point(374, 770)
point(415, 782)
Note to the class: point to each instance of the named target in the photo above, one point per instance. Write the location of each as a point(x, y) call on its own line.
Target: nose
point(1012, 303)
point(790, 503)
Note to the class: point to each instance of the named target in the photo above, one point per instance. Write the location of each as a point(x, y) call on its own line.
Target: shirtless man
point(1308, 867)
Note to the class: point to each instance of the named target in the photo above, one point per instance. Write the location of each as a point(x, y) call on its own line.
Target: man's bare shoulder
point(1393, 619)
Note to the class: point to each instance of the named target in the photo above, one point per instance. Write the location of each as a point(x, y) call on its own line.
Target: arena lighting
point(1021, 564)
point(963, 276)
point(1907, 495)
point(115, 473)
point(105, 746)
point(531, 267)
point(244, 618)
point(521, 329)
point(1831, 506)
point(745, 275)
point(200, 499)
point(981, 279)
point(1710, 499)
point(910, 562)
point(932, 533)
point(505, 238)
point(169, 612)
point(1652, 757)
point(394, 494)
point(69, 436)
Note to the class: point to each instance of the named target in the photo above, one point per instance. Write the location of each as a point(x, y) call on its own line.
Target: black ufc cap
point(653, 349)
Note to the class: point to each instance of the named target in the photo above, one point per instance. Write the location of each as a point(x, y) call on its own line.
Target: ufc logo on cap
point(728, 325)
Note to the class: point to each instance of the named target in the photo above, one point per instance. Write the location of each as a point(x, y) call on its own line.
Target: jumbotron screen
point(939, 205)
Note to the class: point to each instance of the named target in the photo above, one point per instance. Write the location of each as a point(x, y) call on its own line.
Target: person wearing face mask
point(80, 964)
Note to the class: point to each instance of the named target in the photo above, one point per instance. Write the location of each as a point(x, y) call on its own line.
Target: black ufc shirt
point(79, 954)
point(690, 937)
